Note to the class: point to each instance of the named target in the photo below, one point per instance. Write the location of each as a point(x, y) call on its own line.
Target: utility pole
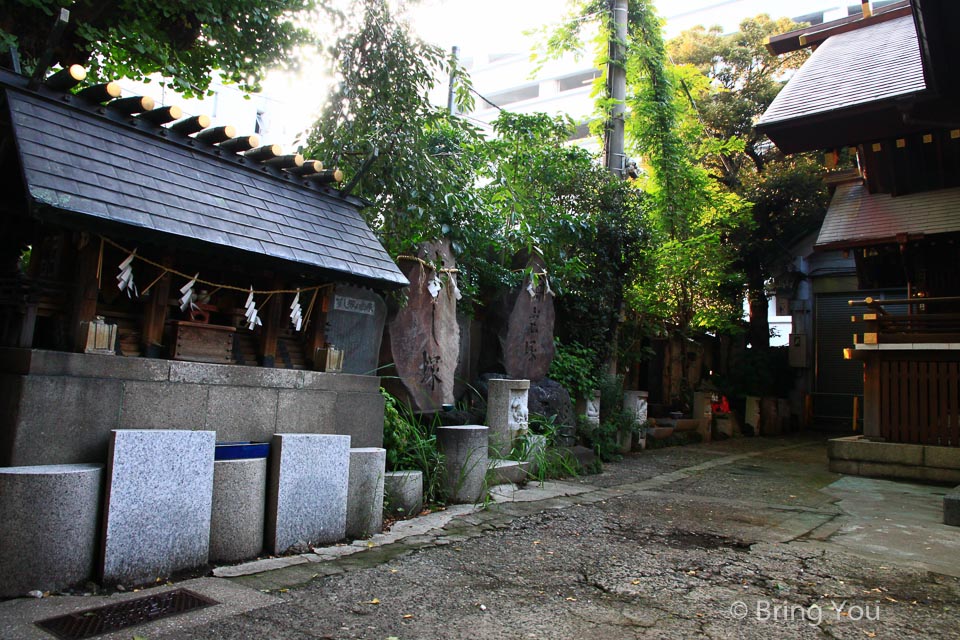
point(454, 57)
point(616, 159)
point(617, 77)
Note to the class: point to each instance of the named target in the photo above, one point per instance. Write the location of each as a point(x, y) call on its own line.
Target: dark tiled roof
point(77, 161)
point(857, 217)
point(872, 64)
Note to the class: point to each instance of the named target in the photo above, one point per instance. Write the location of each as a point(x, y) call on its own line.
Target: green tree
point(555, 199)
point(730, 81)
point(182, 40)
point(413, 162)
point(690, 270)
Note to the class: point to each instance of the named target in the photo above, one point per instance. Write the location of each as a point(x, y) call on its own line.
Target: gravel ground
point(719, 553)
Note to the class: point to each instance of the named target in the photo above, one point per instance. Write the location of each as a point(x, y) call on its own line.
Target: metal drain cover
point(113, 617)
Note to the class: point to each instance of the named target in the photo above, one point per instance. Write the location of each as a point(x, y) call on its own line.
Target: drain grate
point(113, 617)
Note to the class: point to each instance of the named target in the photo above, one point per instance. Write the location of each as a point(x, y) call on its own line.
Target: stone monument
point(355, 326)
point(527, 343)
point(423, 340)
point(507, 413)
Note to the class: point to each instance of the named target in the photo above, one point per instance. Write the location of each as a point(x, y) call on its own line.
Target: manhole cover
point(113, 617)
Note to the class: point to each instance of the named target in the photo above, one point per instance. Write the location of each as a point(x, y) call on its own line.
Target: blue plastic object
point(241, 450)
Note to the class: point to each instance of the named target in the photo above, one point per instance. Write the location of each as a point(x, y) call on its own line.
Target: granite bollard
point(239, 507)
point(158, 504)
point(465, 458)
point(403, 492)
point(307, 494)
point(365, 492)
point(49, 517)
point(507, 413)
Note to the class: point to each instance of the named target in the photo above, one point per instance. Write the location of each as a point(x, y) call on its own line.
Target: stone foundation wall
point(59, 408)
point(857, 456)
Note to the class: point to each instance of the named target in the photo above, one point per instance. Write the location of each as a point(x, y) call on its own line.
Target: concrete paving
point(698, 541)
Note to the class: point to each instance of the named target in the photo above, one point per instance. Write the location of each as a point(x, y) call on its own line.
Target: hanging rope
point(218, 286)
point(427, 265)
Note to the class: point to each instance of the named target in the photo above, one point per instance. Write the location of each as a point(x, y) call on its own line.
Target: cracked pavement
point(737, 539)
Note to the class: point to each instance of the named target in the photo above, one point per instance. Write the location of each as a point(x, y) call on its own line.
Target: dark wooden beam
point(155, 314)
point(86, 290)
point(317, 333)
point(815, 34)
point(272, 323)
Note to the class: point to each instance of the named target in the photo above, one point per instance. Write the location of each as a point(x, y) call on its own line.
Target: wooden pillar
point(272, 322)
point(155, 314)
point(86, 289)
point(317, 333)
point(871, 397)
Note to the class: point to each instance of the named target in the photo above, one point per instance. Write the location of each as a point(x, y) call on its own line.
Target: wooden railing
point(920, 325)
point(912, 370)
point(920, 401)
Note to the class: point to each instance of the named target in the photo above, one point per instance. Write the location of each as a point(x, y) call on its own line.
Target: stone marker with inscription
point(527, 342)
point(423, 340)
point(355, 326)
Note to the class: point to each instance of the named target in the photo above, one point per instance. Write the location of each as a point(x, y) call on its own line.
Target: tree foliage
point(689, 263)
point(182, 40)
point(732, 79)
point(411, 160)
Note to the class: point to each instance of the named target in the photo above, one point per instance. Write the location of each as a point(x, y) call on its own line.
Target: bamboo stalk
point(286, 162)
point(100, 92)
point(130, 106)
point(264, 153)
point(309, 167)
point(191, 125)
point(66, 78)
point(243, 143)
point(327, 176)
point(162, 115)
point(217, 134)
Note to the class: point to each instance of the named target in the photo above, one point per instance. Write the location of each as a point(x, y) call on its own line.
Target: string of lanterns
point(188, 295)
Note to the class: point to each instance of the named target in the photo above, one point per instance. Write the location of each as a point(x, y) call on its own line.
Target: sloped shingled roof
point(857, 217)
point(77, 161)
point(871, 64)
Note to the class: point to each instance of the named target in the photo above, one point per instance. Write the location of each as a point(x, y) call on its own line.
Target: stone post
point(365, 492)
point(158, 505)
point(239, 503)
point(307, 495)
point(465, 457)
point(48, 526)
point(403, 491)
point(507, 413)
